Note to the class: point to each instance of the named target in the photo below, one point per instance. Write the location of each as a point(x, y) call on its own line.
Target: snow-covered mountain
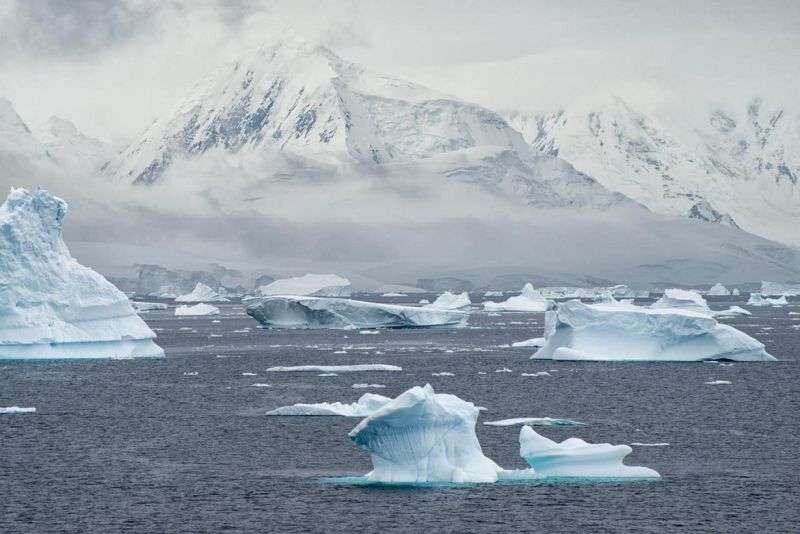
point(737, 168)
point(306, 102)
point(20, 150)
point(71, 147)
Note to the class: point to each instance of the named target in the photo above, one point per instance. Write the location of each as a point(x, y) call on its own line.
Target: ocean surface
point(181, 444)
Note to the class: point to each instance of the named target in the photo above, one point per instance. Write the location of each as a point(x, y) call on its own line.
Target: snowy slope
point(71, 147)
point(739, 169)
point(19, 147)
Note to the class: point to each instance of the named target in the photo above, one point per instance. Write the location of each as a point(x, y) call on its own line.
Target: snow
point(575, 457)
point(529, 300)
point(535, 342)
point(319, 312)
point(450, 301)
point(577, 331)
point(367, 404)
point(197, 309)
point(50, 305)
point(777, 289)
point(336, 368)
point(683, 299)
point(201, 293)
point(148, 306)
point(759, 300)
point(316, 285)
point(718, 290)
point(17, 409)
point(534, 421)
point(422, 436)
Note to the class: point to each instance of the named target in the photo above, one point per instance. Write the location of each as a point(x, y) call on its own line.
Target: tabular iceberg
point(50, 305)
point(619, 331)
point(574, 457)
point(530, 300)
point(320, 312)
point(450, 301)
point(366, 405)
point(201, 293)
point(423, 436)
point(316, 285)
point(760, 300)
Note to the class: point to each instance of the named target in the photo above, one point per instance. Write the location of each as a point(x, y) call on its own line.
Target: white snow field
point(718, 290)
point(574, 457)
point(757, 299)
point(310, 285)
point(336, 368)
point(423, 436)
point(619, 331)
point(201, 293)
point(366, 405)
point(197, 309)
point(534, 421)
point(530, 300)
point(777, 289)
point(50, 305)
point(450, 301)
point(321, 312)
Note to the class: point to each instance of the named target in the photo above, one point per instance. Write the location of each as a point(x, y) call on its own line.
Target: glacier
point(201, 293)
point(757, 299)
point(450, 301)
point(530, 300)
point(51, 306)
point(619, 331)
point(575, 457)
point(422, 436)
point(197, 309)
point(321, 312)
point(311, 285)
point(366, 405)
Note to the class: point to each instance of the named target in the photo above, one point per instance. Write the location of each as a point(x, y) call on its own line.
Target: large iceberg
point(50, 305)
point(574, 457)
point(530, 300)
point(757, 299)
point(201, 293)
point(450, 301)
point(683, 299)
point(718, 290)
point(776, 289)
point(310, 285)
point(423, 436)
point(366, 405)
point(320, 312)
point(619, 331)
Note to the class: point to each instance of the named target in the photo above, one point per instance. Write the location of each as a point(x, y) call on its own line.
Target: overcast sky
point(112, 67)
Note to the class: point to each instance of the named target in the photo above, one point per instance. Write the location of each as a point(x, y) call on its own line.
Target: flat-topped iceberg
point(422, 436)
point(366, 405)
point(197, 309)
point(310, 285)
point(450, 301)
point(619, 331)
point(50, 305)
point(321, 312)
point(777, 289)
point(530, 300)
point(574, 457)
point(683, 299)
point(760, 300)
point(718, 290)
point(201, 293)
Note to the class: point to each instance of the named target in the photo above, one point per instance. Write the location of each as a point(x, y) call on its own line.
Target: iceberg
point(336, 368)
point(718, 290)
point(732, 311)
point(366, 405)
point(776, 289)
point(535, 342)
point(759, 300)
point(735, 292)
point(529, 301)
point(201, 293)
point(321, 312)
point(51, 306)
point(422, 436)
point(683, 299)
point(148, 306)
point(534, 421)
point(450, 301)
point(309, 285)
point(574, 457)
point(197, 309)
point(618, 331)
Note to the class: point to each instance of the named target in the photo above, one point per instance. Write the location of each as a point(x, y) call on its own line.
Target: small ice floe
point(197, 309)
point(481, 372)
point(368, 332)
point(733, 311)
point(367, 386)
point(340, 352)
point(367, 404)
point(241, 330)
point(261, 385)
point(215, 321)
point(190, 373)
point(336, 368)
point(141, 307)
point(535, 342)
point(215, 335)
point(503, 370)
point(443, 373)
point(17, 410)
point(493, 294)
point(326, 374)
point(658, 444)
point(392, 295)
point(537, 373)
point(718, 382)
point(424, 301)
point(534, 421)
point(249, 374)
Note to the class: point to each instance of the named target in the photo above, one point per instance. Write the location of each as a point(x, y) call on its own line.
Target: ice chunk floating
point(450, 301)
point(574, 457)
point(534, 421)
point(320, 312)
point(197, 309)
point(201, 293)
point(368, 404)
point(50, 305)
point(617, 331)
point(530, 300)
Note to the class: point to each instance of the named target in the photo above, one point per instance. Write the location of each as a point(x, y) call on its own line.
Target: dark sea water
point(146, 446)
